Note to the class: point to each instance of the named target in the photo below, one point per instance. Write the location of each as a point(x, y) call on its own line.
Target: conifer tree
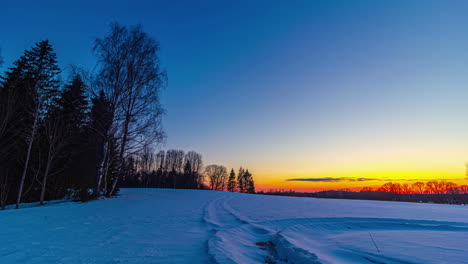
point(240, 180)
point(250, 186)
point(247, 178)
point(38, 72)
point(65, 140)
point(13, 121)
point(232, 181)
point(73, 104)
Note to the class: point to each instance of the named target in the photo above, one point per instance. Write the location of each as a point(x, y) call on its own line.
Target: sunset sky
point(305, 94)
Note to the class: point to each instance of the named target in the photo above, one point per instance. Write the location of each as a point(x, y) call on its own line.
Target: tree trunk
point(105, 182)
point(101, 171)
point(121, 156)
point(3, 192)
point(44, 182)
point(121, 159)
point(28, 155)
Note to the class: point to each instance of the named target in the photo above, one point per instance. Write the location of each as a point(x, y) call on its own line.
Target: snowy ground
point(188, 226)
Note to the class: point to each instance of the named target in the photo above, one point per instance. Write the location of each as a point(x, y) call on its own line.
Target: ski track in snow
point(188, 226)
point(320, 240)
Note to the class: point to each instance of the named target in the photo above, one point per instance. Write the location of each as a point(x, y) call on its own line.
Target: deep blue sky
point(288, 88)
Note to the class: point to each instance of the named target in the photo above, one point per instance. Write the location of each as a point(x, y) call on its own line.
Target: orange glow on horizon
point(351, 182)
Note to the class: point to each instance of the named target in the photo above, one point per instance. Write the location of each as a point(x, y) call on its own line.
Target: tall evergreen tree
point(247, 177)
point(73, 104)
point(38, 71)
point(232, 181)
point(250, 186)
point(64, 127)
point(13, 121)
point(240, 180)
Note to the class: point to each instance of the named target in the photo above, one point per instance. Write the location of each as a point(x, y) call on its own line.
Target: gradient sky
point(303, 89)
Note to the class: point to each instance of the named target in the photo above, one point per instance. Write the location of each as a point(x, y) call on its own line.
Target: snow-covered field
point(189, 226)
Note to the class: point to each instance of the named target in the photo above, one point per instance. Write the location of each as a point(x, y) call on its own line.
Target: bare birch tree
point(131, 77)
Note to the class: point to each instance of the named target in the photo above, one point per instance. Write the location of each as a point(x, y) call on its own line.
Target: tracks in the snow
point(307, 240)
point(220, 216)
point(237, 239)
point(230, 231)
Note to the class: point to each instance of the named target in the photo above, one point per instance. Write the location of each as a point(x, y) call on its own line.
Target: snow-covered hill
point(189, 226)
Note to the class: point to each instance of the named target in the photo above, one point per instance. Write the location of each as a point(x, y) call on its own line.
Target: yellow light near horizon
point(352, 185)
point(279, 181)
point(401, 160)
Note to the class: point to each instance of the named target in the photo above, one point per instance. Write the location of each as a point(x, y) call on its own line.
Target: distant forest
point(87, 136)
point(423, 192)
point(179, 170)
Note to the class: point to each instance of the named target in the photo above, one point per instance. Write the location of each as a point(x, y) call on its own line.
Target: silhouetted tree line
point(286, 192)
point(179, 170)
point(164, 169)
point(430, 191)
point(77, 137)
point(426, 192)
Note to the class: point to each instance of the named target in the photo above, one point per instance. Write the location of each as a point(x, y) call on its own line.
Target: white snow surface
point(191, 226)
